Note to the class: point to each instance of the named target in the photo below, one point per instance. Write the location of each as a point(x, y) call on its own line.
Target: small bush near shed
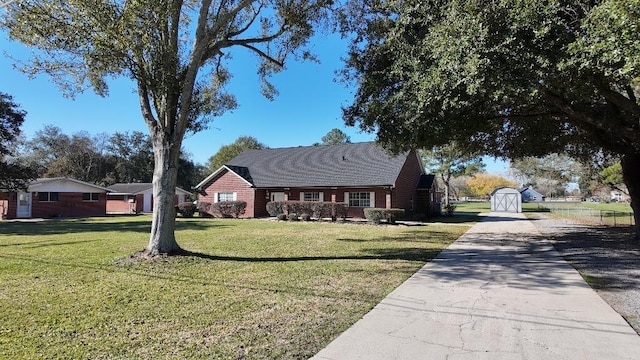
point(376, 215)
point(186, 209)
point(305, 217)
point(282, 217)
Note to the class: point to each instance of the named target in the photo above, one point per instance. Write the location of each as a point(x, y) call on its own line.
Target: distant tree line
point(103, 159)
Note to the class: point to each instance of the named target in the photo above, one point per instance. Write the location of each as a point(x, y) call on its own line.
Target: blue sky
point(307, 107)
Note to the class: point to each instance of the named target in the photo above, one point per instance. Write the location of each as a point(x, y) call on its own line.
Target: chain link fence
point(589, 215)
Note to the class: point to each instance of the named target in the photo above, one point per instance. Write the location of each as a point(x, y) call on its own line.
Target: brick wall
point(406, 184)
point(230, 182)
point(120, 204)
point(68, 205)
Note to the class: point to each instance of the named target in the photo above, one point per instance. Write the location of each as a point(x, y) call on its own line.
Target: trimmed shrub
point(337, 210)
point(229, 209)
point(293, 217)
point(186, 209)
point(282, 217)
point(376, 215)
point(275, 208)
point(305, 217)
point(204, 209)
point(319, 209)
point(393, 214)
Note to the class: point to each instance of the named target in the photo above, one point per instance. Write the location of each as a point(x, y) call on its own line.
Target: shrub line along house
point(136, 198)
point(55, 197)
point(359, 175)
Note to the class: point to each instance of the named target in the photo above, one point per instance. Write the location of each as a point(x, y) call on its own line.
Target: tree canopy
point(13, 175)
point(177, 54)
point(509, 78)
point(549, 175)
point(450, 161)
point(483, 184)
point(336, 136)
point(228, 152)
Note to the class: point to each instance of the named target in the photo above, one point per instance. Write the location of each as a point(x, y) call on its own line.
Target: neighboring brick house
point(55, 197)
point(136, 198)
point(360, 175)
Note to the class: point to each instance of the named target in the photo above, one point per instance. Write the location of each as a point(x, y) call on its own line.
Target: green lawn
point(254, 289)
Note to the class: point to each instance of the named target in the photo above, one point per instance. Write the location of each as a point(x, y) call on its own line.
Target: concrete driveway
point(501, 291)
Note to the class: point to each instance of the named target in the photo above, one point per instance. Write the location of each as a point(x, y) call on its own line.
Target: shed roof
point(344, 165)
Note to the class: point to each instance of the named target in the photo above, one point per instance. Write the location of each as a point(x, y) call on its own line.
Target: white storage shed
point(506, 200)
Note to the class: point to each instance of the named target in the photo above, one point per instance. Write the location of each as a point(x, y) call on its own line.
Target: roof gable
point(353, 165)
point(64, 184)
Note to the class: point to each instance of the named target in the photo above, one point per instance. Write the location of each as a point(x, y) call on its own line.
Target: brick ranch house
point(55, 197)
point(360, 175)
point(136, 198)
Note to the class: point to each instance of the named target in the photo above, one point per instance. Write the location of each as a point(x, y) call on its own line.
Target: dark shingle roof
point(426, 181)
point(134, 188)
point(360, 164)
point(130, 188)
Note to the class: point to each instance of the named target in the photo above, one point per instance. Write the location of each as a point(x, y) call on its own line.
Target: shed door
point(507, 202)
point(24, 205)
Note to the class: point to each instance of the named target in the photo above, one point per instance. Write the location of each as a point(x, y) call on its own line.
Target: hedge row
point(186, 209)
point(225, 209)
point(315, 209)
point(376, 215)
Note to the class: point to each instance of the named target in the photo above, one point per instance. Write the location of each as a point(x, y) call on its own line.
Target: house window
point(48, 196)
point(311, 196)
point(360, 199)
point(90, 196)
point(225, 196)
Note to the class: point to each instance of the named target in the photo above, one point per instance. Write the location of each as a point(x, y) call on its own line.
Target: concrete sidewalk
point(499, 292)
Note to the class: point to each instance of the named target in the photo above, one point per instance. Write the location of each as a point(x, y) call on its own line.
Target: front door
point(24, 205)
point(277, 196)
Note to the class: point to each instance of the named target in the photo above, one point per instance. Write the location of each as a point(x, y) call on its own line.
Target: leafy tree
point(483, 184)
point(13, 175)
point(53, 153)
point(189, 173)
point(612, 177)
point(175, 51)
point(449, 161)
point(132, 156)
point(336, 136)
point(228, 152)
point(512, 78)
point(550, 174)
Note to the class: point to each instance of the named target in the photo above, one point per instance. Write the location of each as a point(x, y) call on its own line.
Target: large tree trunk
point(165, 175)
point(631, 175)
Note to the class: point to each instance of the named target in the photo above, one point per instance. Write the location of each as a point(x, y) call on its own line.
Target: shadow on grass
point(74, 226)
point(405, 253)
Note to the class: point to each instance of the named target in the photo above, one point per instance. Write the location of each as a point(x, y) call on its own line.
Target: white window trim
point(320, 196)
point(372, 198)
point(216, 196)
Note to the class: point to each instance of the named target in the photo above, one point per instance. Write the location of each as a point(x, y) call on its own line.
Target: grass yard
point(253, 290)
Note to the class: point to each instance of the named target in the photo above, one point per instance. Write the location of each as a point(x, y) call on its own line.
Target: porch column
point(388, 199)
point(334, 195)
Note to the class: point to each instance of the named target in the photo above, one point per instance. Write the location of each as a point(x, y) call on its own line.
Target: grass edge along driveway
point(252, 290)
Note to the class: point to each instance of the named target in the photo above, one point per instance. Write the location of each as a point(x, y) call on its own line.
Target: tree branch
point(249, 23)
point(263, 54)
